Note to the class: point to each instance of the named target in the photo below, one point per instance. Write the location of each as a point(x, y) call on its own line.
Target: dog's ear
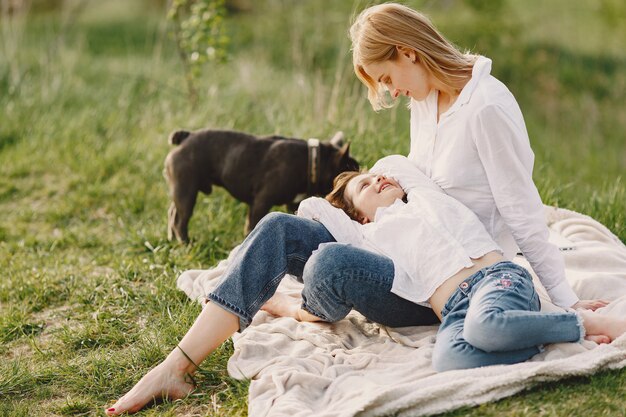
point(342, 155)
point(178, 136)
point(344, 161)
point(344, 152)
point(337, 140)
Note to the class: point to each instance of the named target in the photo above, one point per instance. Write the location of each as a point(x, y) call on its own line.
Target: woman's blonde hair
point(379, 30)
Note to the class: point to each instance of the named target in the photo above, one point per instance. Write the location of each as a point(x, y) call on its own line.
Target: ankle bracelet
point(187, 356)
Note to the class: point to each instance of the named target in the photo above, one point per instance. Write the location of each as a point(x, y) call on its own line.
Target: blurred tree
point(10, 7)
point(198, 27)
point(613, 12)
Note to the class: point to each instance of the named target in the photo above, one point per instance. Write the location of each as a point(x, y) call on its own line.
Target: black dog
point(260, 171)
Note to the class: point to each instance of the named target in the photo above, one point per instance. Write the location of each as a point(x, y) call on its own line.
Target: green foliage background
point(89, 92)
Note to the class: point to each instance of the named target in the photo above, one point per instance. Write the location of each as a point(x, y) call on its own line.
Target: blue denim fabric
point(340, 277)
point(336, 278)
point(493, 318)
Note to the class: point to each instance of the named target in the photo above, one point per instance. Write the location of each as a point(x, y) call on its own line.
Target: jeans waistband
point(465, 287)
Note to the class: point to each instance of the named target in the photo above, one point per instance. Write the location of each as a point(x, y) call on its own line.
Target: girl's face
point(368, 192)
point(401, 76)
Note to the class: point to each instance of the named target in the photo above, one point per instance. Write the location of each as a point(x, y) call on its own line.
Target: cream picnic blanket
point(358, 368)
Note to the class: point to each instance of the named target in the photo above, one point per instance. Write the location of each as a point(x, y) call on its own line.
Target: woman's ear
point(364, 220)
point(407, 52)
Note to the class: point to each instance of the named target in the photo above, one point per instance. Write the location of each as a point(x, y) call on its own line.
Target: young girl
point(444, 256)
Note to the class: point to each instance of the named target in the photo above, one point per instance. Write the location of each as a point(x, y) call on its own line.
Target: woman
point(340, 277)
point(467, 132)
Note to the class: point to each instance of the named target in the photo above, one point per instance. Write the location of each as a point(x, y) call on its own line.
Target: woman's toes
point(599, 339)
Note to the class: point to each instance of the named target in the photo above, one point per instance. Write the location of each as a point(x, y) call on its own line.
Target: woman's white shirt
point(479, 153)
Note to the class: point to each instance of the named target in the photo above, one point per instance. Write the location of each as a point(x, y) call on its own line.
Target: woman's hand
point(590, 304)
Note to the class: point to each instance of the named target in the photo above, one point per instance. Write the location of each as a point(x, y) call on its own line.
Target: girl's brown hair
point(378, 31)
point(337, 197)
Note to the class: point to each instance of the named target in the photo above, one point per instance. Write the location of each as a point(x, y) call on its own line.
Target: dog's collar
point(313, 166)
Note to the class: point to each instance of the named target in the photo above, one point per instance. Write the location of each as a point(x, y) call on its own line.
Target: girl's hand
point(590, 304)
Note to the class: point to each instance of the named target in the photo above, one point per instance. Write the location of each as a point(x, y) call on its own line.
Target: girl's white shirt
point(429, 239)
point(479, 153)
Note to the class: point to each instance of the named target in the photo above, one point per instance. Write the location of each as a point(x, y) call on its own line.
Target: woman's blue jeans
point(337, 277)
point(493, 318)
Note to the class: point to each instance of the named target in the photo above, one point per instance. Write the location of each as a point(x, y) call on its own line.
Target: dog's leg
point(257, 210)
point(292, 207)
point(175, 228)
point(184, 201)
point(171, 219)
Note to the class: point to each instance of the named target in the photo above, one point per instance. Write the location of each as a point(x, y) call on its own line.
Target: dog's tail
point(177, 137)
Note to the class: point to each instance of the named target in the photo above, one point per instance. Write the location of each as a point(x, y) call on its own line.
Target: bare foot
point(601, 325)
point(164, 381)
point(599, 339)
point(282, 305)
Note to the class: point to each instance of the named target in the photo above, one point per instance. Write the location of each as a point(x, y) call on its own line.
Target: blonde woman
point(467, 132)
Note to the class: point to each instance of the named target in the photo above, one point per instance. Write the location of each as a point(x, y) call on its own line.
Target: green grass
point(88, 301)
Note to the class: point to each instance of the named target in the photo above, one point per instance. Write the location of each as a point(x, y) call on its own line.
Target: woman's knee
point(485, 330)
point(443, 357)
point(455, 355)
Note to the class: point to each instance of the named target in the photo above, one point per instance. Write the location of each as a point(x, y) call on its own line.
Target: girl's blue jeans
point(337, 277)
point(493, 318)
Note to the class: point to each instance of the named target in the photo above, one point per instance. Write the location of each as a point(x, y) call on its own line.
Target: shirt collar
point(383, 211)
point(480, 70)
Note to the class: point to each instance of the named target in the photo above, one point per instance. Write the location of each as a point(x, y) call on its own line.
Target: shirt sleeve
point(504, 150)
point(336, 221)
point(408, 175)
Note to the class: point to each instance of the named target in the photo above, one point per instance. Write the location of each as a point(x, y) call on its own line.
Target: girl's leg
point(279, 244)
point(338, 278)
point(170, 378)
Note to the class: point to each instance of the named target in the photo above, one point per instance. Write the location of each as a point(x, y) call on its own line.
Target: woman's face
point(368, 192)
point(401, 76)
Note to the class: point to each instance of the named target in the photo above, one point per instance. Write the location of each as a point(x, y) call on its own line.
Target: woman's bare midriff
point(444, 291)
